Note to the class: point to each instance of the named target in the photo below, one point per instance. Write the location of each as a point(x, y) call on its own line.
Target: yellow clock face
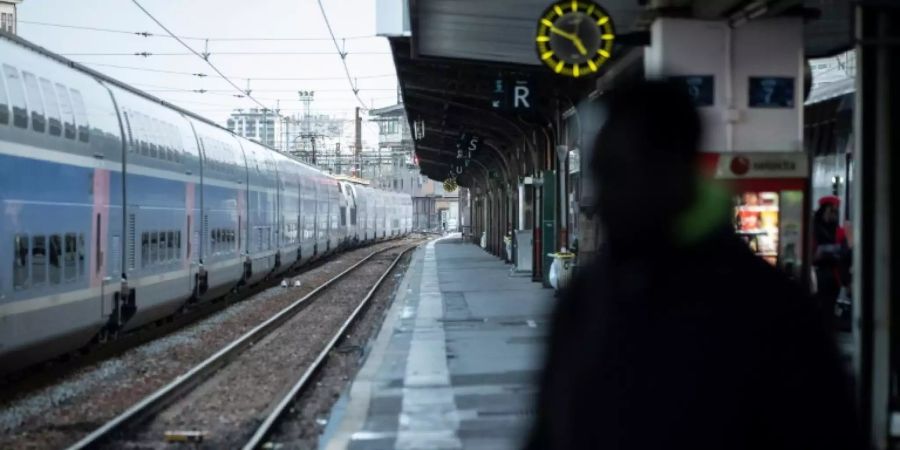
point(575, 37)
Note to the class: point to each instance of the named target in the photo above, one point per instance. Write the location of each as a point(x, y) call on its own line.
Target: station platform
point(456, 360)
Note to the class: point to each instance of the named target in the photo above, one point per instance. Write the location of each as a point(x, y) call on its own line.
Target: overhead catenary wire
point(343, 56)
point(211, 65)
point(203, 75)
point(147, 54)
point(224, 91)
point(192, 38)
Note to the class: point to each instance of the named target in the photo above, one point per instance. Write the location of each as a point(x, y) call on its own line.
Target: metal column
point(876, 215)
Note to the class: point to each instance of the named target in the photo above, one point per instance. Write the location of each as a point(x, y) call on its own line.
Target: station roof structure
point(459, 49)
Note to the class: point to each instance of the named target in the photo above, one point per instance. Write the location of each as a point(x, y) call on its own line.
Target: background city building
point(8, 15)
point(256, 124)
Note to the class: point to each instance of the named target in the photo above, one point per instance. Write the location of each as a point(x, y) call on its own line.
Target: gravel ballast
point(57, 415)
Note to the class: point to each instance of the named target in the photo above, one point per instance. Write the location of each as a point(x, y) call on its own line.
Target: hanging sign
point(512, 94)
point(466, 146)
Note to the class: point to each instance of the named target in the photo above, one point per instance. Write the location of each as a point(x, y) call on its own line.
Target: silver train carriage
point(120, 209)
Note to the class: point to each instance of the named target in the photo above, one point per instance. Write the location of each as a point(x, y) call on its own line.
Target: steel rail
point(185, 382)
point(265, 429)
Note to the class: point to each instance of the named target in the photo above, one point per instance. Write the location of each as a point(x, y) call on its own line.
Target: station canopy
point(459, 50)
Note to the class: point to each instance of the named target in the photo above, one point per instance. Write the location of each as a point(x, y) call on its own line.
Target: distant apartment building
point(8, 15)
point(255, 124)
point(393, 166)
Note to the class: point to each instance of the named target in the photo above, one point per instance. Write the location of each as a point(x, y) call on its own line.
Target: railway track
point(45, 374)
point(240, 393)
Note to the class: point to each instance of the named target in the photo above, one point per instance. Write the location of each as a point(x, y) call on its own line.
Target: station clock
point(575, 37)
point(450, 184)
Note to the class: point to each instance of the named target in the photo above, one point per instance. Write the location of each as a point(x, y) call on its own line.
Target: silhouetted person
point(831, 254)
point(678, 336)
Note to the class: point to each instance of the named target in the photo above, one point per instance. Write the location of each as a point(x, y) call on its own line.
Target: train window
point(20, 261)
point(55, 126)
point(81, 116)
point(81, 262)
point(16, 96)
point(54, 257)
point(170, 240)
point(163, 247)
point(343, 216)
point(70, 265)
point(154, 247)
point(353, 215)
point(178, 244)
point(38, 260)
point(65, 107)
point(4, 103)
point(141, 122)
point(175, 138)
point(35, 103)
point(128, 130)
point(145, 249)
point(150, 137)
point(165, 153)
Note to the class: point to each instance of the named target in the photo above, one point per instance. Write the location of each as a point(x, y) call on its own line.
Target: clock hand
point(579, 45)
point(562, 33)
point(572, 37)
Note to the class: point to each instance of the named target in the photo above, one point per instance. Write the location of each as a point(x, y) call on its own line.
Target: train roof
point(122, 85)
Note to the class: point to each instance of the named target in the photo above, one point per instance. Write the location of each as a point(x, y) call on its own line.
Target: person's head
point(645, 160)
point(829, 207)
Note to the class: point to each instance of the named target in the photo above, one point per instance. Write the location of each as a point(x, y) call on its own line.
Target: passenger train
point(119, 209)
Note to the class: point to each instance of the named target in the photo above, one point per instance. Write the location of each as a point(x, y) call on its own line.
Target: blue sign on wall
point(701, 88)
point(771, 92)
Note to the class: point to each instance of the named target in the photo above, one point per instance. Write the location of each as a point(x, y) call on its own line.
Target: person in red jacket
point(831, 254)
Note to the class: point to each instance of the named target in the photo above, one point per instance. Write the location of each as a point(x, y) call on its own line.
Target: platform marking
point(429, 418)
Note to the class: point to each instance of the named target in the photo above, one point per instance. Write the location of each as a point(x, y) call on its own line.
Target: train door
point(108, 226)
point(194, 210)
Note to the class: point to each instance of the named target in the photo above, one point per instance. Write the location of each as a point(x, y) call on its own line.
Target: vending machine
point(770, 204)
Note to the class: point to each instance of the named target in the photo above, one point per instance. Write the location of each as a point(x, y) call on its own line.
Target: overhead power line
point(211, 65)
point(147, 54)
point(220, 91)
point(190, 38)
point(204, 75)
point(343, 56)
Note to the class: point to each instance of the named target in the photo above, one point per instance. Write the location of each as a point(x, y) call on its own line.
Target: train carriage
point(161, 172)
point(61, 193)
point(121, 209)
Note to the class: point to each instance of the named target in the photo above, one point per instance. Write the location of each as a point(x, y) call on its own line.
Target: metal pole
point(876, 214)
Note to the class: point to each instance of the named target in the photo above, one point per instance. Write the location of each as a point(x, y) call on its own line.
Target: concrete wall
point(769, 47)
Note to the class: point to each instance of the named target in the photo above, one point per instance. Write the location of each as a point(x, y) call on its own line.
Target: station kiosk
point(771, 191)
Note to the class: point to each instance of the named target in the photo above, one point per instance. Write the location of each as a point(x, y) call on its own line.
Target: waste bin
point(561, 269)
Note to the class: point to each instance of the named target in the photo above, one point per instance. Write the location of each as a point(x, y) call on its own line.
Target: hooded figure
point(677, 335)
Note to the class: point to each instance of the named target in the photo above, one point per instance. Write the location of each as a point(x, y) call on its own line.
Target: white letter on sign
point(521, 94)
